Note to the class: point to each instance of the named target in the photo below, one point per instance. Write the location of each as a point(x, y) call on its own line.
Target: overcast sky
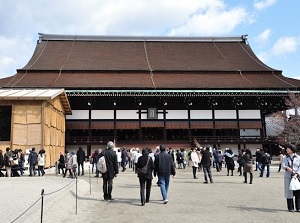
point(272, 25)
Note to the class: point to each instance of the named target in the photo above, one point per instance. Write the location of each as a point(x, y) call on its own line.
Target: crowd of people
point(161, 164)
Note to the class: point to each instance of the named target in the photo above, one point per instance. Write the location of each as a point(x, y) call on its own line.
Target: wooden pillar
point(165, 130)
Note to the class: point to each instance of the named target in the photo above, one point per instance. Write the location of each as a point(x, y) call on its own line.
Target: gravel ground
point(226, 200)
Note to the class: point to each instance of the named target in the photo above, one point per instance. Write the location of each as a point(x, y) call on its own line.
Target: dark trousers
point(82, 167)
point(240, 169)
point(123, 164)
point(207, 173)
point(145, 183)
point(70, 172)
point(41, 170)
point(107, 188)
point(62, 168)
point(194, 171)
point(290, 202)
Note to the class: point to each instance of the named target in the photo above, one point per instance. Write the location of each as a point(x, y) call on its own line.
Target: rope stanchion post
point(90, 179)
point(76, 194)
point(42, 207)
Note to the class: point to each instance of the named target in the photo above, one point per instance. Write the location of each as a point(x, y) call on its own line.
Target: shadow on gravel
point(266, 210)
point(137, 185)
point(84, 198)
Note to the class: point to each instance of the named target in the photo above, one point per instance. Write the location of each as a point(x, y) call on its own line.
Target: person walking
point(112, 170)
point(145, 179)
point(163, 168)
point(229, 161)
point(258, 155)
point(21, 161)
point(246, 159)
point(291, 165)
point(61, 163)
point(41, 162)
point(206, 164)
point(123, 159)
point(32, 160)
point(194, 162)
point(265, 162)
point(281, 156)
point(74, 164)
point(8, 156)
point(68, 163)
point(1, 163)
point(80, 160)
point(95, 161)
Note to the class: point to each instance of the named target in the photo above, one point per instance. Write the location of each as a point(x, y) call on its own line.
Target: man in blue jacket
point(163, 168)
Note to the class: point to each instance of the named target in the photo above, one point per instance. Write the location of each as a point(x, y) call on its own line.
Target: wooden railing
point(229, 139)
point(89, 139)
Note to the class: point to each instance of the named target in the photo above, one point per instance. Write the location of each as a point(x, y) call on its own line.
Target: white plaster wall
point(127, 114)
point(177, 114)
point(201, 114)
point(102, 114)
point(78, 114)
point(249, 114)
point(225, 114)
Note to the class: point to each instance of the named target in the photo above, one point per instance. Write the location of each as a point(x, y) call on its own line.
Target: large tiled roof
point(146, 62)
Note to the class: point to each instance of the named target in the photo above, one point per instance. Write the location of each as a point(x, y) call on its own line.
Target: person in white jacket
point(41, 162)
point(194, 162)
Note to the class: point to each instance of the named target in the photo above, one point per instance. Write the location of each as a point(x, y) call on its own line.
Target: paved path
point(227, 200)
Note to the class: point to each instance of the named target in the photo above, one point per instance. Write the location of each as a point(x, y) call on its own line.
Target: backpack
point(101, 165)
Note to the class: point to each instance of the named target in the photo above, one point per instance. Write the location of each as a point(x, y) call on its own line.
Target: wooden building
point(34, 118)
point(145, 91)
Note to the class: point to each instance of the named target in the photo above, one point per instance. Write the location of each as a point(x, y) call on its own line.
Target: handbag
point(294, 184)
point(15, 162)
point(144, 169)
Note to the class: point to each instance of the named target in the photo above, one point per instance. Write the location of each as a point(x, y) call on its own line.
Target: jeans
point(263, 169)
point(32, 170)
point(207, 173)
point(259, 165)
point(164, 181)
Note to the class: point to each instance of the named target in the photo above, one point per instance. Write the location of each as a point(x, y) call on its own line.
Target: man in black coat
point(112, 170)
point(163, 168)
point(80, 160)
point(206, 164)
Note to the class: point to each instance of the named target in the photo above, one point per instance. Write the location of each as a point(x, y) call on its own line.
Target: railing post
point(42, 193)
point(90, 179)
point(76, 194)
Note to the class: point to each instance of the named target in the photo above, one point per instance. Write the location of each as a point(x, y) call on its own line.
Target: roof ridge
point(242, 38)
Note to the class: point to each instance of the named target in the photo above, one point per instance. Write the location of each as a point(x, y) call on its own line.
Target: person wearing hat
point(112, 170)
point(291, 165)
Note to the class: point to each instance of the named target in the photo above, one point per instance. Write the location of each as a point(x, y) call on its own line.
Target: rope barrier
point(43, 194)
point(59, 189)
point(26, 210)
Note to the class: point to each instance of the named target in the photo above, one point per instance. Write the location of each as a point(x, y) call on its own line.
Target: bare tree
point(291, 129)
